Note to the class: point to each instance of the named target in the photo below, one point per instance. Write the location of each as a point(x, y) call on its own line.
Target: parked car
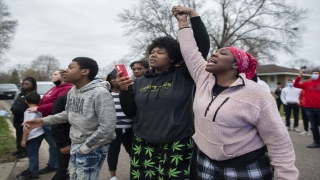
point(44, 86)
point(8, 91)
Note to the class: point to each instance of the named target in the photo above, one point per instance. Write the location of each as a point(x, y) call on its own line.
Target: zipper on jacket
point(207, 109)
point(215, 114)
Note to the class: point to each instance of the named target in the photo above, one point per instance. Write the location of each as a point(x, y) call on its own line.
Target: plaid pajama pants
point(259, 170)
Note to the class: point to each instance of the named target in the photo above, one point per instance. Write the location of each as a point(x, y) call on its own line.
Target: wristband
point(184, 27)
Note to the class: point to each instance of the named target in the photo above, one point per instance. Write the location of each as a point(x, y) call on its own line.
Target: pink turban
point(247, 64)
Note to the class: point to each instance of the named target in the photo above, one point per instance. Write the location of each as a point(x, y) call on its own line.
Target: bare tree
point(103, 72)
point(14, 78)
point(4, 77)
point(262, 27)
point(7, 29)
point(44, 65)
point(298, 63)
point(151, 19)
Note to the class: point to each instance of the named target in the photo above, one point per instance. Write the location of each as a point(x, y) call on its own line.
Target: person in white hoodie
point(290, 98)
point(91, 112)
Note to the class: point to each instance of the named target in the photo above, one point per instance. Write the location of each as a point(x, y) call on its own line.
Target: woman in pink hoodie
point(45, 107)
point(238, 130)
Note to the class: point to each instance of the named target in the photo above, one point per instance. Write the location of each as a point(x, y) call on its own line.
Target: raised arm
point(200, 33)
point(189, 49)
point(297, 83)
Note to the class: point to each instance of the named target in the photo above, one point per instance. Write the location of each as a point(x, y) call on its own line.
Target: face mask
point(290, 84)
point(315, 76)
point(57, 83)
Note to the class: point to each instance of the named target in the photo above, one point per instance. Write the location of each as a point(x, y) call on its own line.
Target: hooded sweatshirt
point(46, 103)
point(91, 113)
point(312, 92)
point(163, 105)
point(239, 120)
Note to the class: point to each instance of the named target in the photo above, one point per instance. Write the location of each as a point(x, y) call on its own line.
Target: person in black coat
point(18, 108)
point(60, 135)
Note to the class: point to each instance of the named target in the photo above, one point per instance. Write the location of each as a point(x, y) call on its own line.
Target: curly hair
point(171, 45)
point(88, 63)
point(33, 98)
point(143, 63)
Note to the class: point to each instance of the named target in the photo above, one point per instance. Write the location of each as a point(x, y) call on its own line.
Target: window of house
point(272, 78)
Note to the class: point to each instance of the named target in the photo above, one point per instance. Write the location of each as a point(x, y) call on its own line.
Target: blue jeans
point(53, 156)
point(87, 166)
point(33, 154)
point(314, 118)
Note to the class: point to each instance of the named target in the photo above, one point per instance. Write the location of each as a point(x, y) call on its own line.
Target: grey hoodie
point(91, 112)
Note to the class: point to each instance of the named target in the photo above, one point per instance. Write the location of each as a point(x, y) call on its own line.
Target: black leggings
point(115, 146)
point(305, 119)
point(63, 163)
point(19, 133)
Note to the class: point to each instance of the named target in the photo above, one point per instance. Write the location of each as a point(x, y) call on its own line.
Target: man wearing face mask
point(312, 103)
point(290, 98)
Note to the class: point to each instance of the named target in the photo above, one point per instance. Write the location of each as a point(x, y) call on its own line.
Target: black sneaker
point(314, 145)
point(47, 169)
point(21, 155)
point(16, 153)
point(30, 177)
point(23, 173)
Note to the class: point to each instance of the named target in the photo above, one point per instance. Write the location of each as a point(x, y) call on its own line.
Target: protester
point(18, 108)
point(303, 113)
point(236, 121)
point(312, 103)
point(139, 68)
point(277, 92)
point(290, 98)
point(124, 134)
point(45, 107)
point(31, 140)
point(91, 112)
point(161, 102)
point(60, 135)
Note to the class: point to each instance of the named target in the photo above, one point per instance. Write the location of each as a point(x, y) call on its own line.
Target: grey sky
point(70, 28)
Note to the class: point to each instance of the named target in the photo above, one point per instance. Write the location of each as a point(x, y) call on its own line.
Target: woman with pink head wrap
point(239, 133)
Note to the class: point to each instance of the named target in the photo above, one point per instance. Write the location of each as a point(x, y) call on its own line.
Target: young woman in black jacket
point(18, 108)
point(161, 102)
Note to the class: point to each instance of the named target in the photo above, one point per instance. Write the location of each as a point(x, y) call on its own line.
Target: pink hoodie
point(246, 116)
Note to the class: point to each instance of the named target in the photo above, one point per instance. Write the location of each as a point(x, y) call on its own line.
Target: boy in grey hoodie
point(91, 112)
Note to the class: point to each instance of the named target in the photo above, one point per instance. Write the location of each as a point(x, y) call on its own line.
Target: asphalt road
point(307, 160)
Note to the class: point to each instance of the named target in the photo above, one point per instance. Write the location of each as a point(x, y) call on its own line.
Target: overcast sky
point(67, 29)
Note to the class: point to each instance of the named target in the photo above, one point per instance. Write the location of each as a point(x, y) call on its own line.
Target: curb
point(6, 170)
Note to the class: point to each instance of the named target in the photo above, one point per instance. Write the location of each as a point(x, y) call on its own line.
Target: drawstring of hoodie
point(165, 73)
point(150, 89)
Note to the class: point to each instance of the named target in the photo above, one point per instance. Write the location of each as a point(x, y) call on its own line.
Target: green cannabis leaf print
point(161, 162)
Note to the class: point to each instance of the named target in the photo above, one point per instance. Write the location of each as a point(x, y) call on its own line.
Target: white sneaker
point(114, 178)
point(304, 133)
point(296, 129)
point(288, 128)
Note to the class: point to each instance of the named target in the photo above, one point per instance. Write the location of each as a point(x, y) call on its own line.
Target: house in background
point(272, 74)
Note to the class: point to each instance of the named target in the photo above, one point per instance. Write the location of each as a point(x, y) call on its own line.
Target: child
point(31, 139)
point(18, 108)
point(91, 112)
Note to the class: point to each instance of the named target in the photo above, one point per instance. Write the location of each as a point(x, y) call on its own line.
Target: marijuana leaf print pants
point(161, 162)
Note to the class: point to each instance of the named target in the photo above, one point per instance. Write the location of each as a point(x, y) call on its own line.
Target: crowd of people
point(180, 116)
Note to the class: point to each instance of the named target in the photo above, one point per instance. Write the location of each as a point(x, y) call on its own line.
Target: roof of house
point(272, 69)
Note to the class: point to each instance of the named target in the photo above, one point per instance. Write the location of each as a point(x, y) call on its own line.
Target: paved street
point(308, 160)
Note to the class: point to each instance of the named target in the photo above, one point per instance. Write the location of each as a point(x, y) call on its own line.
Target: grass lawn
point(7, 141)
